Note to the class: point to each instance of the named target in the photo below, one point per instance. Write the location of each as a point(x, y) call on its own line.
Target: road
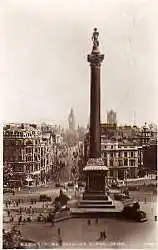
point(65, 173)
point(77, 233)
point(36, 192)
point(123, 233)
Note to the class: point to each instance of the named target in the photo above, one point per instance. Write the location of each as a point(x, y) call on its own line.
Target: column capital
point(95, 59)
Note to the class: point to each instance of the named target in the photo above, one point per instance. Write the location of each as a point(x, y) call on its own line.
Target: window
point(112, 146)
point(111, 162)
point(28, 150)
point(125, 162)
point(125, 154)
point(111, 173)
point(132, 163)
point(29, 158)
point(105, 162)
point(27, 168)
point(132, 154)
point(111, 155)
point(20, 157)
point(120, 163)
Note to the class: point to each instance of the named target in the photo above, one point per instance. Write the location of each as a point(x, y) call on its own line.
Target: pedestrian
point(11, 219)
point(104, 235)
point(20, 210)
point(52, 222)
point(89, 222)
point(59, 231)
point(20, 220)
point(101, 235)
point(60, 241)
point(8, 213)
point(155, 218)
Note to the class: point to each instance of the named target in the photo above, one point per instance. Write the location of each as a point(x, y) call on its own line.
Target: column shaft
point(95, 137)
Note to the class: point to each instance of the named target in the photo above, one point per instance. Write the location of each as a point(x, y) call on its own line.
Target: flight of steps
point(96, 208)
point(96, 204)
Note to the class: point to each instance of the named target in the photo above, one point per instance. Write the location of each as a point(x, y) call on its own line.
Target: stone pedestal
point(95, 172)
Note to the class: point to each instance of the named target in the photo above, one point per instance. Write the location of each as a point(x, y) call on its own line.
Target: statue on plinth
point(95, 39)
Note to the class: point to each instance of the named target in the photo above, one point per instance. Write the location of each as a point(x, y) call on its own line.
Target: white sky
point(46, 72)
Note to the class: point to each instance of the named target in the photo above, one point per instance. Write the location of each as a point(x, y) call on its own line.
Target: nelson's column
point(95, 200)
point(95, 169)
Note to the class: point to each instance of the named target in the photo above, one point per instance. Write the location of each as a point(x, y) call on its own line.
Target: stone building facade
point(28, 153)
point(123, 159)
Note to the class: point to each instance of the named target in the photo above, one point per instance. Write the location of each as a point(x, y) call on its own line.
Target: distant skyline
point(46, 71)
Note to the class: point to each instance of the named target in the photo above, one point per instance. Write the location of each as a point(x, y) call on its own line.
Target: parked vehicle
point(44, 197)
point(81, 184)
point(120, 197)
point(132, 212)
point(64, 208)
point(8, 190)
point(50, 217)
point(113, 185)
point(70, 184)
point(58, 185)
point(120, 184)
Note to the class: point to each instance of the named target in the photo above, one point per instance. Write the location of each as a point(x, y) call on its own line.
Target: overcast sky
point(46, 70)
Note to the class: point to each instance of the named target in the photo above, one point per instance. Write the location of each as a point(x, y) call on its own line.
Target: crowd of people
point(18, 213)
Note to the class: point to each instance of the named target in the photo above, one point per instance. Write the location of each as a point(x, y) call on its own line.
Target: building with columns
point(27, 153)
point(122, 160)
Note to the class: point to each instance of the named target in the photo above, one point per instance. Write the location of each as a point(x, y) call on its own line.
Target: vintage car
point(120, 184)
point(8, 190)
point(81, 184)
point(132, 212)
point(59, 185)
point(44, 197)
point(120, 196)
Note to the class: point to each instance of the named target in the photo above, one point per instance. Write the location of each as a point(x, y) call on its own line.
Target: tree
point(60, 201)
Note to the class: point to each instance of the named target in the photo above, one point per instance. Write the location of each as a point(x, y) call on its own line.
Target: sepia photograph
point(79, 125)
